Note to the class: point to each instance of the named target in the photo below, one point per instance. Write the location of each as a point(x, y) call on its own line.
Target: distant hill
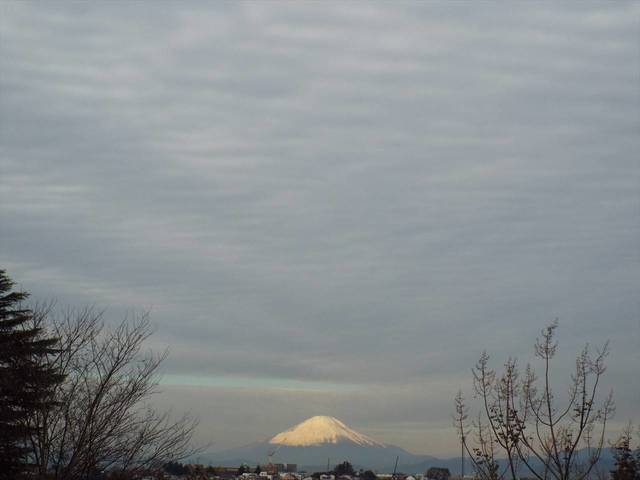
point(605, 464)
point(318, 439)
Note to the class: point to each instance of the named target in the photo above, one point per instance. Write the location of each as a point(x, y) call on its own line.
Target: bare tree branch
point(521, 419)
point(102, 419)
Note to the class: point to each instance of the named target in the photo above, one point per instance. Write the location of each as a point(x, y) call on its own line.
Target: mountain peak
point(321, 429)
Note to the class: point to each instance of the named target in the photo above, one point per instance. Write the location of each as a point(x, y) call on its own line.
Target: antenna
point(271, 453)
point(395, 467)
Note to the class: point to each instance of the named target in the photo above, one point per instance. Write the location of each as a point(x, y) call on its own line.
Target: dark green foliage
point(176, 468)
point(368, 475)
point(437, 473)
point(627, 462)
point(25, 379)
point(344, 468)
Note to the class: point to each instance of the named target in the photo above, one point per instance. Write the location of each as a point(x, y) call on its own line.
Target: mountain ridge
point(340, 443)
point(312, 442)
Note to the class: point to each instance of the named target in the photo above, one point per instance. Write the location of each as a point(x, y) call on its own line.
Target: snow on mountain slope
point(319, 430)
point(310, 443)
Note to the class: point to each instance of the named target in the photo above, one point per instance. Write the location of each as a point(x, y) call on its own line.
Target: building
point(275, 468)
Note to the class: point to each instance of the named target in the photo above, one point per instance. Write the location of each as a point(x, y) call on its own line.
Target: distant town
point(286, 471)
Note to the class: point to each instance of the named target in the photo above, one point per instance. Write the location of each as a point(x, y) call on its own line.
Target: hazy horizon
point(330, 208)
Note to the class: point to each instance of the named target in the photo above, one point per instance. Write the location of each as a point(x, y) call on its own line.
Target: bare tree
point(520, 416)
point(460, 424)
point(483, 451)
point(101, 420)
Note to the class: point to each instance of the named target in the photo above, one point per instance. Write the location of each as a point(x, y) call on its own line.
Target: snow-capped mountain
point(322, 429)
point(316, 441)
point(321, 439)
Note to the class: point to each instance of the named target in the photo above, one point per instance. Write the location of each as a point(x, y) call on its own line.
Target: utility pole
point(462, 457)
point(459, 420)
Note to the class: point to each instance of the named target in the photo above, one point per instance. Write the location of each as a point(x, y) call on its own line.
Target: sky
point(330, 208)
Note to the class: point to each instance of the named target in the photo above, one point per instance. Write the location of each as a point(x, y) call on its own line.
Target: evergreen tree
point(344, 468)
point(176, 468)
point(626, 463)
point(368, 475)
point(26, 380)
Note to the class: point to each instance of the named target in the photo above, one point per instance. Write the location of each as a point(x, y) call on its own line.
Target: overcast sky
point(330, 208)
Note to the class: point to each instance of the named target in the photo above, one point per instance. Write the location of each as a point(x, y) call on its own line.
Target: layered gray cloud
point(343, 201)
